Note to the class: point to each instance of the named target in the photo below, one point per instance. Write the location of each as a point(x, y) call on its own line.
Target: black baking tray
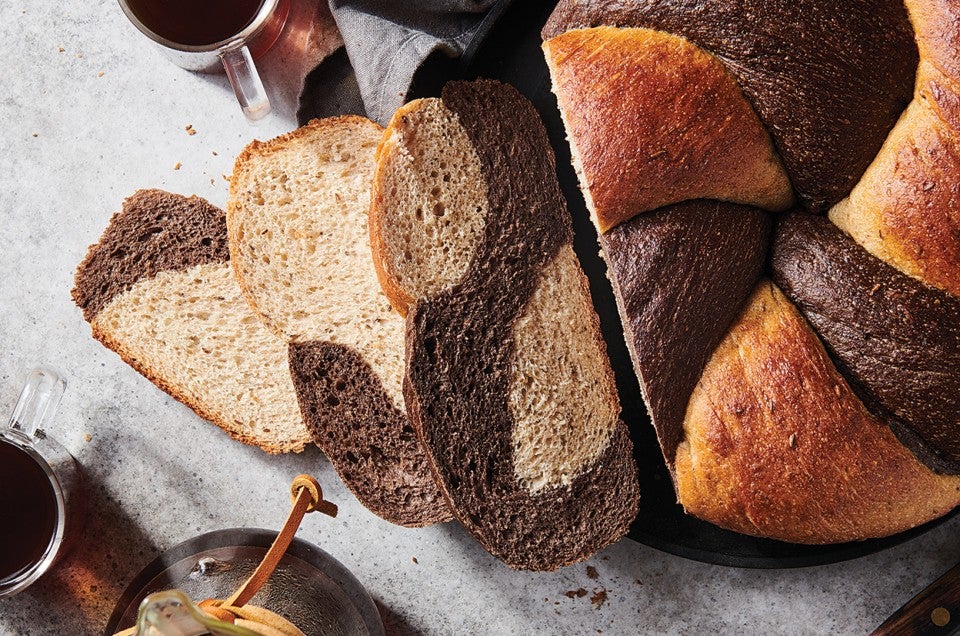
point(507, 48)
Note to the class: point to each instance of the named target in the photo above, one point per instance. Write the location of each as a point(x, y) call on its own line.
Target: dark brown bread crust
point(897, 339)
point(154, 232)
point(341, 396)
point(714, 254)
point(459, 347)
point(829, 81)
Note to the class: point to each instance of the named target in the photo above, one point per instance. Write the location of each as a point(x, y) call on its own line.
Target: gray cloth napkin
point(386, 42)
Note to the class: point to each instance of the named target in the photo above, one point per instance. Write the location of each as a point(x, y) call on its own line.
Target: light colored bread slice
point(158, 289)
point(507, 379)
point(433, 207)
point(297, 219)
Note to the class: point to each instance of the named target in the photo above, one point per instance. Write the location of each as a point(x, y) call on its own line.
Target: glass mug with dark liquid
point(207, 35)
point(38, 487)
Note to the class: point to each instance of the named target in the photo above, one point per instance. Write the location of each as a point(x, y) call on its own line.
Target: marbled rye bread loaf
point(507, 378)
point(299, 243)
point(767, 430)
point(158, 290)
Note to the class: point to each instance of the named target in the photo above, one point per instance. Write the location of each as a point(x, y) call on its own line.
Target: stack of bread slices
point(409, 300)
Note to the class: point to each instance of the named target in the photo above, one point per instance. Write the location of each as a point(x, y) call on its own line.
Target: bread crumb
point(599, 598)
point(60, 49)
point(577, 593)
point(214, 152)
point(212, 181)
point(190, 130)
point(177, 165)
point(592, 572)
point(35, 134)
point(87, 437)
point(226, 178)
point(79, 56)
point(414, 559)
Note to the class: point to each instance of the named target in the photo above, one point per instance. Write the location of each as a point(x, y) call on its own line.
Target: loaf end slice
point(158, 290)
point(299, 243)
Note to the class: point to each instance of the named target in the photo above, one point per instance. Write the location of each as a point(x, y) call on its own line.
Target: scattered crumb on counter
point(414, 559)
point(60, 49)
point(592, 572)
point(100, 74)
point(599, 598)
point(212, 181)
point(35, 134)
point(577, 593)
point(214, 153)
point(79, 56)
point(226, 177)
point(87, 437)
point(190, 129)
point(177, 165)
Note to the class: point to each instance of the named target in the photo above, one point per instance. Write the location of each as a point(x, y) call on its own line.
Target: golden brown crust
point(683, 128)
point(228, 426)
point(906, 208)
point(389, 281)
point(937, 27)
point(779, 446)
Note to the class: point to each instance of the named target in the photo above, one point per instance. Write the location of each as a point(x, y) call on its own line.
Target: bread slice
point(297, 219)
point(158, 290)
point(507, 379)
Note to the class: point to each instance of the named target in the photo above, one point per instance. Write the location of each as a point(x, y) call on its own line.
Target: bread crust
point(679, 135)
point(399, 298)
point(896, 339)
point(829, 87)
point(778, 445)
point(673, 324)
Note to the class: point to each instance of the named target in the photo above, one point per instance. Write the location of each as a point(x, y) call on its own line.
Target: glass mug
point(205, 36)
point(38, 487)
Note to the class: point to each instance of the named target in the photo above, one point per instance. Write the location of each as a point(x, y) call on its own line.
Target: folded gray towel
point(386, 42)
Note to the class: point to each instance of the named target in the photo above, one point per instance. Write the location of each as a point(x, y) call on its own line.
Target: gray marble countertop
point(91, 112)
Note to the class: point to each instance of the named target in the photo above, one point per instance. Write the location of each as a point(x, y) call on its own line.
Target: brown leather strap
point(307, 496)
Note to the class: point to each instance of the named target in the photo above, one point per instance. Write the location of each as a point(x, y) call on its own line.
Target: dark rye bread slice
point(297, 221)
point(828, 82)
point(158, 290)
point(897, 339)
point(714, 253)
point(507, 379)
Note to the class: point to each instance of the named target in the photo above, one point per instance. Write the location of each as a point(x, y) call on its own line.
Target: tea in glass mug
point(39, 481)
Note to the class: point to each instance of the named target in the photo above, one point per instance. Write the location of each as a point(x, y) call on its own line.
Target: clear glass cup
point(36, 406)
point(235, 54)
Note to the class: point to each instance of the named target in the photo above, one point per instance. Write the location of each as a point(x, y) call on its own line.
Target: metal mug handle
point(39, 399)
point(238, 63)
